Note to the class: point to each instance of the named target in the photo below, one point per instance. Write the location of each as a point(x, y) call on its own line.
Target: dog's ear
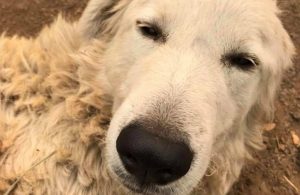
point(278, 59)
point(281, 54)
point(101, 17)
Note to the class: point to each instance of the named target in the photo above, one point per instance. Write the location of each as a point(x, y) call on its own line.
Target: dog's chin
point(129, 183)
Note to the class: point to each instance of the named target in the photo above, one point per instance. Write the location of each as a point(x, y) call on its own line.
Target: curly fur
point(49, 102)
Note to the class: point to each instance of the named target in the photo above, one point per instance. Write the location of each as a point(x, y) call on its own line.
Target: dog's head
point(182, 74)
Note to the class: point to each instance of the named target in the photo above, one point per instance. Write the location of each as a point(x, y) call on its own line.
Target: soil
point(274, 170)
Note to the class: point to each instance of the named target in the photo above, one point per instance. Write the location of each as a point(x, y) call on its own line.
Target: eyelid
point(251, 57)
point(251, 60)
point(150, 22)
point(232, 59)
point(154, 25)
point(143, 23)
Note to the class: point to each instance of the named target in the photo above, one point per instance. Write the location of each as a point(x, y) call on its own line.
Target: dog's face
point(182, 74)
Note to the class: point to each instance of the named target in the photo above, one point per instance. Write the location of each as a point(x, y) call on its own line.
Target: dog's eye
point(150, 31)
point(241, 60)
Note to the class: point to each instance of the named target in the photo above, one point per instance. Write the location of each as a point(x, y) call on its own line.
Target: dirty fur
point(49, 103)
point(54, 98)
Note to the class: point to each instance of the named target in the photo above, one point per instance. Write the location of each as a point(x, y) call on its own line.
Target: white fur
point(220, 107)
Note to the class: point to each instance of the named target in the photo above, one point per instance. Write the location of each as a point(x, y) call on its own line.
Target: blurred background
point(276, 170)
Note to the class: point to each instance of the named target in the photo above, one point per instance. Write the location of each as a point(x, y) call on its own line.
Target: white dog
point(191, 81)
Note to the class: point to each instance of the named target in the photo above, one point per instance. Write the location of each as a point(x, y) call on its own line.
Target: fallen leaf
point(269, 127)
point(296, 139)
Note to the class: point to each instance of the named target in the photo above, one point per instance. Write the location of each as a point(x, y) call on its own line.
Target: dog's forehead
point(207, 12)
point(234, 22)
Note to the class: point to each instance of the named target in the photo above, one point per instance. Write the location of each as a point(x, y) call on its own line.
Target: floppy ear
point(278, 59)
point(281, 53)
point(101, 17)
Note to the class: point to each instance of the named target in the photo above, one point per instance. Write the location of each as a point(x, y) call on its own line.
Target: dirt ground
point(277, 167)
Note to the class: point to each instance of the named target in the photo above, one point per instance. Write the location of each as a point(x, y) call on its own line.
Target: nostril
point(129, 161)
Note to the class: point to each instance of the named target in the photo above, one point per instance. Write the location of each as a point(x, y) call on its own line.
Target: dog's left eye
point(150, 31)
point(241, 60)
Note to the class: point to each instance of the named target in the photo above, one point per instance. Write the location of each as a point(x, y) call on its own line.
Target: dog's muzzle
point(152, 159)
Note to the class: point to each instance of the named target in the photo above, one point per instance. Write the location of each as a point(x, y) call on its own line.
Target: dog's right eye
point(150, 31)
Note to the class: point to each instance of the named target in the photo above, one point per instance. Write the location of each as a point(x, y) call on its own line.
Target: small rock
point(295, 116)
point(286, 124)
point(287, 151)
point(269, 127)
point(281, 147)
point(295, 138)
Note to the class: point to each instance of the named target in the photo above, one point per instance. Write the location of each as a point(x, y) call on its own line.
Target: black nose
point(152, 159)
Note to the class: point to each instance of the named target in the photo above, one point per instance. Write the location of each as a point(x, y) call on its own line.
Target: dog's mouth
point(141, 189)
point(132, 185)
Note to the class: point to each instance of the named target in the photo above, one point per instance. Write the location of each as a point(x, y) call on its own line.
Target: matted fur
point(49, 102)
point(54, 97)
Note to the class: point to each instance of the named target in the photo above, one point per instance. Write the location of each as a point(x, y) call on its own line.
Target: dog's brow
point(263, 37)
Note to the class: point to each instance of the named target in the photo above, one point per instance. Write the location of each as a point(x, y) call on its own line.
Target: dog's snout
point(152, 159)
